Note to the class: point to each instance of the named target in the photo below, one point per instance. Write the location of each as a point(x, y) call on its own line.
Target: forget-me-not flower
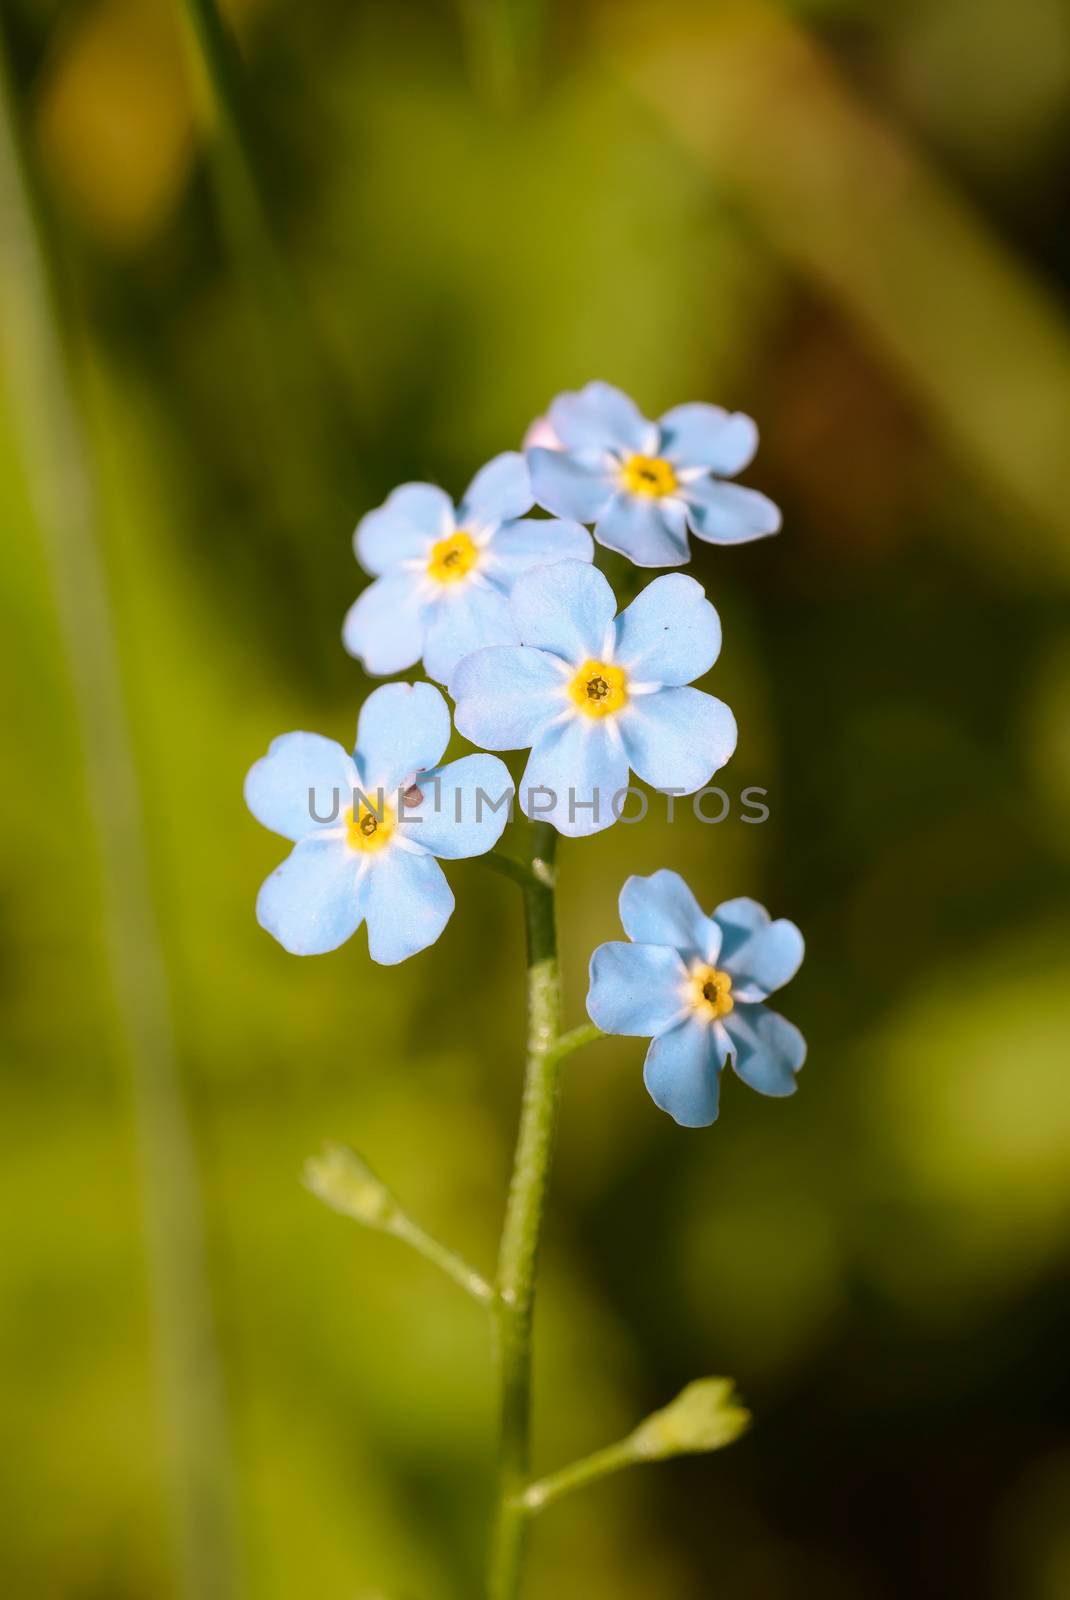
point(644, 484)
point(367, 827)
point(696, 986)
point(594, 695)
point(442, 574)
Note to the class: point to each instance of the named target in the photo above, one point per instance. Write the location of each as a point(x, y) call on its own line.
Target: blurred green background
point(246, 292)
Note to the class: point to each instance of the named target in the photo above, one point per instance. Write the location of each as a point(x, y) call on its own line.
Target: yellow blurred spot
point(116, 118)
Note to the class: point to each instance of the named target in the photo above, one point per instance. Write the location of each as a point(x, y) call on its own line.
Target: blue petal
point(403, 729)
point(707, 436)
point(464, 810)
point(670, 633)
point(662, 910)
point(540, 435)
point(677, 738)
point(407, 903)
point(682, 1074)
point(726, 513)
point(468, 616)
point(738, 921)
point(504, 696)
point(384, 627)
point(635, 989)
point(767, 960)
point(403, 527)
point(314, 901)
point(575, 770)
point(499, 491)
point(768, 1050)
point(567, 608)
point(651, 533)
point(277, 786)
point(534, 542)
point(601, 417)
point(579, 486)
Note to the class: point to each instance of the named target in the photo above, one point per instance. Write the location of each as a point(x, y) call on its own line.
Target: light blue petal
point(403, 527)
point(505, 696)
point(469, 615)
point(312, 903)
point(579, 486)
point(403, 728)
point(464, 809)
point(766, 961)
point(575, 770)
point(662, 910)
point(682, 1074)
point(698, 435)
point(635, 989)
point(407, 903)
point(534, 542)
point(499, 492)
point(670, 633)
point(567, 608)
point(726, 513)
point(384, 627)
point(768, 1050)
point(738, 921)
point(677, 738)
point(651, 533)
point(601, 417)
point(540, 435)
point(277, 786)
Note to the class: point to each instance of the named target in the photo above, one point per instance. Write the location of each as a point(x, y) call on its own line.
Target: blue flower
point(593, 696)
point(696, 985)
point(644, 484)
point(442, 575)
point(367, 827)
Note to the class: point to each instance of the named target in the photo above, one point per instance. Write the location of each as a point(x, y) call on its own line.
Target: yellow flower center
point(599, 688)
point(452, 558)
point(648, 475)
point(369, 825)
point(709, 992)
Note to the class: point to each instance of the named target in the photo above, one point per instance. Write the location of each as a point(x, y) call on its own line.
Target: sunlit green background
point(370, 247)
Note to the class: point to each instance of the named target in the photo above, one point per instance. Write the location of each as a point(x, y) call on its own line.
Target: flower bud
point(344, 1181)
point(705, 1416)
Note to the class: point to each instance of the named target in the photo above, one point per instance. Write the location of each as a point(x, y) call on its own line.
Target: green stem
point(523, 1221)
point(575, 1039)
point(576, 1476)
point(507, 866)
point(454, 1266)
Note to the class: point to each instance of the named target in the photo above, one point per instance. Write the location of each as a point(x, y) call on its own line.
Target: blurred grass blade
point(853, 206)
point(705, 1416)
point(505, 47)
point(52, 445)
point(304, 438)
